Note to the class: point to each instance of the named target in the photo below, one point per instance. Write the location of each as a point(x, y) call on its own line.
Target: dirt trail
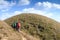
point(27, 37)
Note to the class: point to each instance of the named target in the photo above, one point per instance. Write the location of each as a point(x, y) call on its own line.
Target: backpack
point(14, 25)
point(18, 25)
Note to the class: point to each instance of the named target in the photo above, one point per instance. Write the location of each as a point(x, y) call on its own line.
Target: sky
point(48, 8)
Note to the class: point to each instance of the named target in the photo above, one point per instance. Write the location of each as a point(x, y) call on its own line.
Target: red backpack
point(18, 25)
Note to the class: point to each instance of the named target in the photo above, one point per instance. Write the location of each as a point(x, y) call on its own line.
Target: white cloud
point(48, 15)
point(38, 4)
point(40, 12)
point(24, 2)
point(32, 10)
point(17, 12)
point(58, 19)
point(14, 13)
point(5, 4)
point(8, 15)
point(56, 6)
point(48, 5)
point(4, 16)
point(26, 10)
point(4, 10)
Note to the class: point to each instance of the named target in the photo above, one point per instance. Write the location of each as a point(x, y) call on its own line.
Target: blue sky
point(48, 8)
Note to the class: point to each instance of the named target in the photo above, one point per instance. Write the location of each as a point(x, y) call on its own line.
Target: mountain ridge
point(38, 26)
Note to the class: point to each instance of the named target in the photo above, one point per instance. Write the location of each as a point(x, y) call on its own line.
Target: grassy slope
point(38, 26)
point(7, 33)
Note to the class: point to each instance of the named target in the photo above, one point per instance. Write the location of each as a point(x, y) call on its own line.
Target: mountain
point(8, 33)
point(41, 27)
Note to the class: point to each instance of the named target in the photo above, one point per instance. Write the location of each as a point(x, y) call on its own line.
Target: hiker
point(18, 26)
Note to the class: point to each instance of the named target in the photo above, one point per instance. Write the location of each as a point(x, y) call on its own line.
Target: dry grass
point(8, 33)
point(38, 26)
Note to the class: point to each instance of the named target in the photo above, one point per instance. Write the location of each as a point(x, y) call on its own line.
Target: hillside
point(7, 33)
point(38, 26)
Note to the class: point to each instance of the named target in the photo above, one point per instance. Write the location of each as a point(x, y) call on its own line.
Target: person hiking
point(18, 26)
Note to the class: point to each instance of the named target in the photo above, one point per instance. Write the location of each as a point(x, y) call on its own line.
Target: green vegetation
point(38, 26)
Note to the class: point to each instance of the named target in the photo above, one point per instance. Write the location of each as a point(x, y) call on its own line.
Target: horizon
point(48, 8)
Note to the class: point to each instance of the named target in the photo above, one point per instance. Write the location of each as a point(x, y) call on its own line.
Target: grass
point(7, 31)
point(37, 25)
